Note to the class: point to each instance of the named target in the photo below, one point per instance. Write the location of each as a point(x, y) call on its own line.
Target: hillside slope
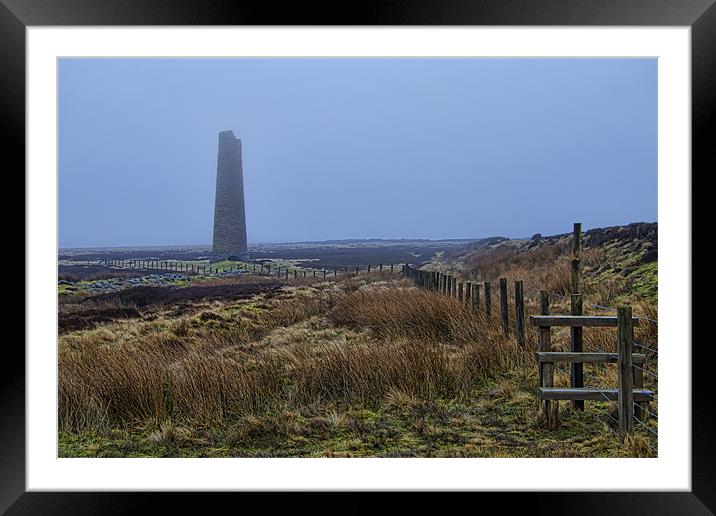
point(618, 263)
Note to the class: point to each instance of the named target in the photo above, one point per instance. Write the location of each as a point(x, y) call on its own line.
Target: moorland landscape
point(325, 350)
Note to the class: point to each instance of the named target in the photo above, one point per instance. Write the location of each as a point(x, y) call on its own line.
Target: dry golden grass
point(299, 362)
point(418, 343)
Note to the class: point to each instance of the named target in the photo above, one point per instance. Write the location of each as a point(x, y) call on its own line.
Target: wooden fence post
point(503, 306)
point(459, 291)
point(545, 372)
point(488, 298)
point(468, 293)
point(577, 345)
point(577, 254)
point(625, 329)
point(475, 297)
point(520, 312)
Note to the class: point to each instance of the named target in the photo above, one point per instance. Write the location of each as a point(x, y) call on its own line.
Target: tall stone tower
point(229, 213)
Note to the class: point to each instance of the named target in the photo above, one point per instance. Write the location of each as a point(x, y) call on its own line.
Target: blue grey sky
point(355, 148)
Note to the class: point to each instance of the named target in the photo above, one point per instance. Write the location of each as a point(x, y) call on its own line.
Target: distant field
point(334, 254)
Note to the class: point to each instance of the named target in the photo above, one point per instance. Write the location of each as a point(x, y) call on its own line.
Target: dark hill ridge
point(636, 237)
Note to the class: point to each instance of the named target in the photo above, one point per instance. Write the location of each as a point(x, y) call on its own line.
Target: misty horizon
point(355, 149)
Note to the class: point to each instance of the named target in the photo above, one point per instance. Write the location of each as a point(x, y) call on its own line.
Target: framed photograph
point(415, 250)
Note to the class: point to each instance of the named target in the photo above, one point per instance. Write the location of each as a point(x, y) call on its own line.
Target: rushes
point(420, 344)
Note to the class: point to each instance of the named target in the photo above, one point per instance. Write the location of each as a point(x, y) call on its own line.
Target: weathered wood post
point(625, 329)
point(576, 256)
point(520, 312)
point(304, 273)
point(475, 297)
point(459, 291)
point(368, 268)
point(314, 273)
point(577, 345)
point(324, 273)
point(380, 268)
point(504, 311)
point(546, 370)
point(391, 267)
point(468, 293)
point(488, 298)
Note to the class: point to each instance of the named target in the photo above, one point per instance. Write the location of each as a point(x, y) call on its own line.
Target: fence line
point(631, 396)
point(261, 269)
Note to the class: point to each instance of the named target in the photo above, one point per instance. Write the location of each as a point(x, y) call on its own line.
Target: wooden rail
point(590, 394)
point(546, 321)
point(567, 356)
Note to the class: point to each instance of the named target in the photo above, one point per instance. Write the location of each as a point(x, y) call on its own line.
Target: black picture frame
point(16, 15)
